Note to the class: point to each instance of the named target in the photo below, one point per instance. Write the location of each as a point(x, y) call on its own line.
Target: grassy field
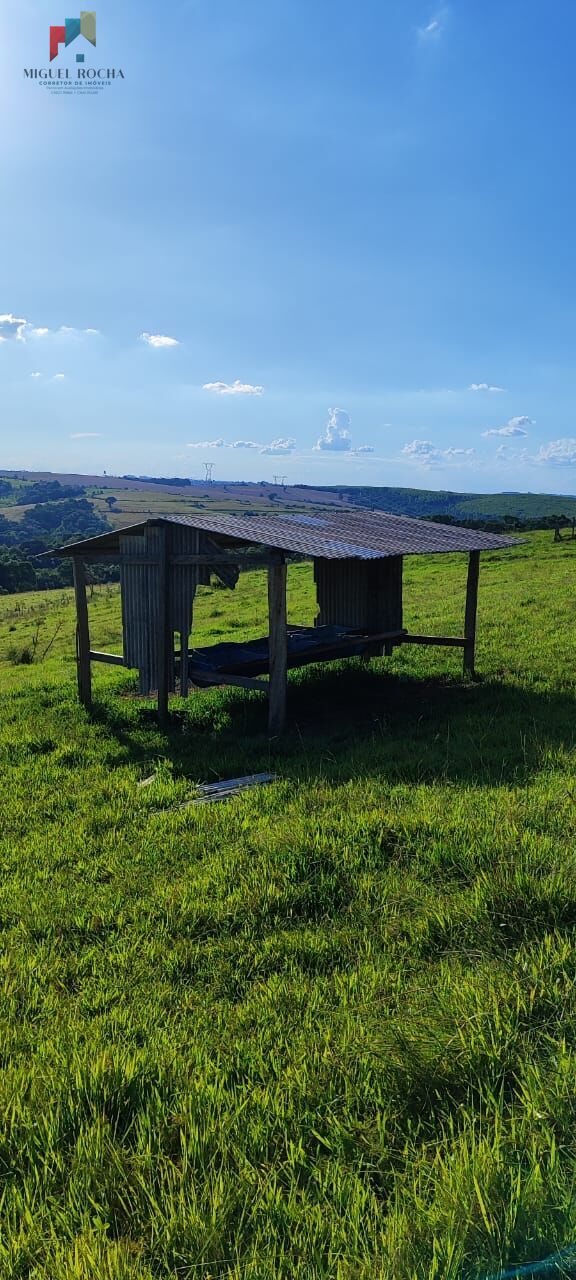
point(326, 1030)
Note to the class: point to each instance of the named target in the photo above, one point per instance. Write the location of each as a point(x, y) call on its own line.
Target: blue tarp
point(305, 644)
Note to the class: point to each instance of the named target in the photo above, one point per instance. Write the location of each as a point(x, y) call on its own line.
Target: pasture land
point(325, 1030)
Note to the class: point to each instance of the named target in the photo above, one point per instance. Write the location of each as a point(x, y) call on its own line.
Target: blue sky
point(303, 232)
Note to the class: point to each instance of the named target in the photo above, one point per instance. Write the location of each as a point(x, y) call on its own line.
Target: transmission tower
point(209, 469)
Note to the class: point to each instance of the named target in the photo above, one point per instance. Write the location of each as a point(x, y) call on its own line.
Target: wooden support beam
point(471, 611)
point(201, 679)
point(242, 561)
point(113, 659)
point(450, 642)
point(162, 645)
point(82, 634)
point(184, 677)
point(278, 647)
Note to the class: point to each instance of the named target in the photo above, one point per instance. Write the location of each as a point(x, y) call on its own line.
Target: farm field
point(327, 1029)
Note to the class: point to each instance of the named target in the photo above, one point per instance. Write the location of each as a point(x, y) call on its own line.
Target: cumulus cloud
point(158, 340)
point(245, 444)
point(12, 327)
point(23, 330)
point(207, 444)
point(86, 435)
point(279, 447)
point(484, 386)
point(236, 388)
point(35, 375)
point(558, 453)
point(514, 427)
point(59, 377)
point(336, 437)
point(427, 454)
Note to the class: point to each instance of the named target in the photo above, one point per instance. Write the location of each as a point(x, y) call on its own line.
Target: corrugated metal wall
point(140, 593)
point(359, 593)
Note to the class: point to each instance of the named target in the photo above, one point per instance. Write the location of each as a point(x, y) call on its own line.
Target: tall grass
point(327, 1029)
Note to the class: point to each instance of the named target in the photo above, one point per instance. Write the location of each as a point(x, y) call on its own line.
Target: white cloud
point(363, 448)
point(236, 388)
point(558, 453)
point(434, 28)
point(86, 435)
point(12, 326)
point(207, 444)
point(279, 447)
point(484, 386)
point(35, 375)
point(336, 437)
point(426, 454)
point(419, 449)
point(158, 340)
point(59, 377)
point(514, 427)
point(92, 332)
point(245, 444)
point(22, 330)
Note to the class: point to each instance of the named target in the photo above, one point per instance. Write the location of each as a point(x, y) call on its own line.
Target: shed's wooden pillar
point(278, 647)
point(163, 633)
point(471, 610)
point(82, 634)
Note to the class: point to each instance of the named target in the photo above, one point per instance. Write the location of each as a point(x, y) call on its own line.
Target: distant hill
point(125, 499)
point(464, 506)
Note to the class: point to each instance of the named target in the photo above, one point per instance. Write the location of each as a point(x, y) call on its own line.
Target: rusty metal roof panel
point(343, 535)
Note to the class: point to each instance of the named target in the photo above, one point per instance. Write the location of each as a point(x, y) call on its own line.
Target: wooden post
point(278, 647)
point(471, 610)
point(184, 678)
point(82, 634)
point(163, 619)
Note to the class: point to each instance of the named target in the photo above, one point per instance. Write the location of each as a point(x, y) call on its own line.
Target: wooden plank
point(457, 642)
point(113, 659)
point(201, 679)
point(243, 561)
point(471, 611)
point(82, 634)
point(162, 634)
point(278, 647)
point(183, 665)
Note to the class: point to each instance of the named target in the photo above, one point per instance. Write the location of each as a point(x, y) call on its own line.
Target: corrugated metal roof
point(349, 534)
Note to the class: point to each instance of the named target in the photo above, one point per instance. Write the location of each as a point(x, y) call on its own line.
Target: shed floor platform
point(305, 645)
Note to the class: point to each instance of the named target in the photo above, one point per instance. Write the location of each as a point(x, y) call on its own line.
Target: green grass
point(327, 1029)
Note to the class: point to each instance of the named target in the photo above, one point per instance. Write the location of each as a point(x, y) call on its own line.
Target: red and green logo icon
point(85, 26)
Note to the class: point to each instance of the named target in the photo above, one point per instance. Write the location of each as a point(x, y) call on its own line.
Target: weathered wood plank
point(471, 612)
point(113, 659)
point(457, 642)
point(183, 665)
point(278, 647)
point(243, 561)
point(82, 634)
point(162, 624)
point(201, 679)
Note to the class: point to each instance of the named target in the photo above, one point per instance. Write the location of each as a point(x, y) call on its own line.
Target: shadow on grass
point(354, 721)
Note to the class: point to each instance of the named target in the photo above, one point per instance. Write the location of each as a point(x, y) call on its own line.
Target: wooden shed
point(358, 560)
